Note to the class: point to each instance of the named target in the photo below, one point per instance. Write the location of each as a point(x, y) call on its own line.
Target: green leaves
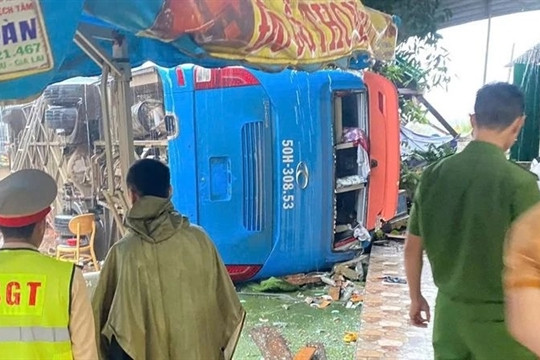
point(410, 175)
point(421, 64)
point(413, 112)
point(418, 17)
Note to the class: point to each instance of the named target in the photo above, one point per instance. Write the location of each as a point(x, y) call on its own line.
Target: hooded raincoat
point(164, 292)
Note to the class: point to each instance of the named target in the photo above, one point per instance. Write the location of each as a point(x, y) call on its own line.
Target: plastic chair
point(81, 225)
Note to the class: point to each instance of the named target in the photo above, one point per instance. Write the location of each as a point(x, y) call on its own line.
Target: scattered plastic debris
point(535, 169)
point(352, 305)
point(351, 238)
point(321, 305)
point(328, 281)
point(320, 302)
point(348, 273)
point(393, 280)
point(350, 337)
point(349, 181)
point(323, 302)
point(301, 324)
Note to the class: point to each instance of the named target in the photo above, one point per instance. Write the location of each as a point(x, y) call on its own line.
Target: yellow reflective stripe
point(33, 333)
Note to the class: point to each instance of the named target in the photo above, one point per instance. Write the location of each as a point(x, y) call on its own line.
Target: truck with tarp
point(257, 158)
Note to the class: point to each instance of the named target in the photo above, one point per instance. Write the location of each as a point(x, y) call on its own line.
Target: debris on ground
point(334, 292)
point(311, 352)
point(343, 285)
point(347, 272)
point(328, 281)
point(339, 293)
point(319, 302)
point(306, 353)
point(348, 290)
point(304, 279)
point(273, 346)
point(393, 280)
point(388, 234)
point(273, 284)
point(396, 235)
point(350, 337)
point(351, 238)
point(300, 322)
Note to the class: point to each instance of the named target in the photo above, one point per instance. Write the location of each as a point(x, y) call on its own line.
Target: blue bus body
point(254, 164)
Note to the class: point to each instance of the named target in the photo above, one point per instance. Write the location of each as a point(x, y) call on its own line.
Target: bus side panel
point(384, 148)
point(302, 114)
point(234, 172)
point(179, 102)
point(302, 206)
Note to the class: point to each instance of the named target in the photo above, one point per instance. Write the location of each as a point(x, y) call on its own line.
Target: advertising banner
point(277, 32)
point(24, 43)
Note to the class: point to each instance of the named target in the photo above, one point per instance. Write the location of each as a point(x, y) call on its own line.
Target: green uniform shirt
point(463, 207)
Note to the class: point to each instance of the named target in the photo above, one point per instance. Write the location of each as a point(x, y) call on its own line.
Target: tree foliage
point(418, 17)
point(412, 167)
point(421, 63)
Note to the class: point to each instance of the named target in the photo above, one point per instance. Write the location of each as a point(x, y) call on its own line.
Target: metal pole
point(109, 160)
point(120, 67)
point(487, 41)
point(511, 66)
point(124, 101)
point(93, 51)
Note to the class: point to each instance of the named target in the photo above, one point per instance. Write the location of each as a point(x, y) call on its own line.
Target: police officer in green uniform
point(463, 207)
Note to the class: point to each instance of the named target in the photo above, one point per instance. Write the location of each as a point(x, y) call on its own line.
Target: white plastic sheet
point(535, 168)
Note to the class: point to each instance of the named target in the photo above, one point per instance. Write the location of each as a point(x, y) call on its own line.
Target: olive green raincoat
point(164, 292)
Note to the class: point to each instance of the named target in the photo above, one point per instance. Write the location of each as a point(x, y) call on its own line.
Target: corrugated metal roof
point(531, 56)
point(464, 11)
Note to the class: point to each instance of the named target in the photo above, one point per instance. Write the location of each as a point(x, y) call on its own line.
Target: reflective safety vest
point(35, 297)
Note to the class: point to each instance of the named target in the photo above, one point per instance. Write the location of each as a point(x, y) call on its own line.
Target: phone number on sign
point(287, 159)
point(23, 50)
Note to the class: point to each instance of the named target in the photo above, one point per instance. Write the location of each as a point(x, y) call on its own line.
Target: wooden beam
point(420, 96)
point(320, 352)
point(271, 343)
point(306, 353)
point(409, 92)
point(438, 116)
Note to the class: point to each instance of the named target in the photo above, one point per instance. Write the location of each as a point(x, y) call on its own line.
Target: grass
point(299, 323)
